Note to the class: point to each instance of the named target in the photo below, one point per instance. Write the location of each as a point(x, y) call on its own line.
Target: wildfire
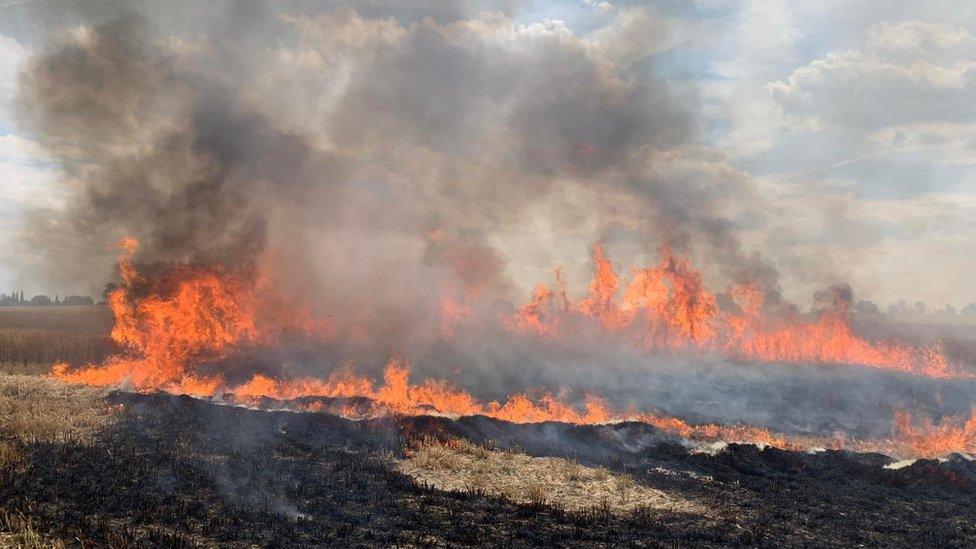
point(927, 439)
point(666, 307)
point(172, 327)
point(190, 316)
point(397, 395)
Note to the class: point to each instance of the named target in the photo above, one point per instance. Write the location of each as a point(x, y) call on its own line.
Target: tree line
point(16, 298)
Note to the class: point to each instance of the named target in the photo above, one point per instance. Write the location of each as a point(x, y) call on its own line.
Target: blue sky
point(855, 118)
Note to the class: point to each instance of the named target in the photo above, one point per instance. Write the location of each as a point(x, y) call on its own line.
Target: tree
point(41, 300)
point(969, 309)
point(77, 300)
point(899, 307)
point(866, 307)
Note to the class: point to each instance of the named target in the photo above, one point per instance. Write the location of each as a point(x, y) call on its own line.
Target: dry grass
point(33, 338)
point(461, 465)
point(17, 530)
point(81, 319)
point(42, 409)
point(34, 350)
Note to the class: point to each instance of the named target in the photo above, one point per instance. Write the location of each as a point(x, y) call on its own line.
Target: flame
point(601, 304)
point(397, 395)
point(667, 307)
point(189, 317)
point(928, 439)
point(174, 325)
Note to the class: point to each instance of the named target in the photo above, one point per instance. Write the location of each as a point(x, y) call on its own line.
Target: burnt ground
point(176, 471)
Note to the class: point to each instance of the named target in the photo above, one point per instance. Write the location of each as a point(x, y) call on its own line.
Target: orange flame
point(928, 439)
point(668, 307)
point(170, 327)
point(189, 317)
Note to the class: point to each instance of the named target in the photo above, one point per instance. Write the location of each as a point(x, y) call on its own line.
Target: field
point(87, 467)
point(33, 338)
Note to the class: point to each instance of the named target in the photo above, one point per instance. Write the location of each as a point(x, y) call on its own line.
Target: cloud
point(599, 5)
point(12, 55)
point(906, 73)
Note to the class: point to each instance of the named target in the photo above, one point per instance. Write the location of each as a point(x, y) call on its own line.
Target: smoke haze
point(375, 158)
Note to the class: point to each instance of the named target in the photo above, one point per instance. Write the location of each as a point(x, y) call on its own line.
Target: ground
point(86, 467)
point(89, 467)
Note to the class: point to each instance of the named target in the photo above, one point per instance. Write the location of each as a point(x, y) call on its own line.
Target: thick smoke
point(287, 128)
point(378, 157)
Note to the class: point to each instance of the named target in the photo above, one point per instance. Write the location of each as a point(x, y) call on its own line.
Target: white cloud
point(599, 5)
point(12, 54)
point(945, 142)
point(757, 42)
point(906, 73)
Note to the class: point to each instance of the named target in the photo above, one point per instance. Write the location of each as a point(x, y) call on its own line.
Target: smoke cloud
point(377, 158)
point(331, 132)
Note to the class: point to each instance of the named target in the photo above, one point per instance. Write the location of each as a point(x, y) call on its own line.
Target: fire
point(927, 439)
point(667, 307)
point(397, 395)
point(173, 326)
point(600, 303)
point(189, 317)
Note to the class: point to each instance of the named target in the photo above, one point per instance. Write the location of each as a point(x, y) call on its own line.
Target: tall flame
point(172, 326)
point(668, 307)
point(189, 317)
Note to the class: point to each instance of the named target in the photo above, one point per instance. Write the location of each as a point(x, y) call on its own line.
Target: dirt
point(173, 471)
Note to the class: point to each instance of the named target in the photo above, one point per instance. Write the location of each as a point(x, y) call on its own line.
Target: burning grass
point(146, 470)
point(459, 465)
point(925, 438)
point(668, 308)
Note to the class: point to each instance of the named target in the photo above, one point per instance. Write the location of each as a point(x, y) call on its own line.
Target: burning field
point(399, 276)
point(252, 454)
point(198, 332)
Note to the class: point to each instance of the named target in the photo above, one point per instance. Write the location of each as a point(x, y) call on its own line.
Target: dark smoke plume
point(379, 154)
point(285, 127)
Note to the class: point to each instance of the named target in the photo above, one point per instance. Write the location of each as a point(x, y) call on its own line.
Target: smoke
point(382, 160)
point(330, 132)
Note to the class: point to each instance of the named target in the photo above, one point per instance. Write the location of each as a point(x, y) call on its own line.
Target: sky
point(853, 121)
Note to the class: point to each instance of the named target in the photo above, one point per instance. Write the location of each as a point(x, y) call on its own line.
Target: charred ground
point(158, 469)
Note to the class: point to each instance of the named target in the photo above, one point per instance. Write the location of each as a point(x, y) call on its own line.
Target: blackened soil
point(176, 471)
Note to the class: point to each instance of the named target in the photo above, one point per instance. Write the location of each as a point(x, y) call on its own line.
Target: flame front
point(173, 327)
point(925, 438)
point(667, 307)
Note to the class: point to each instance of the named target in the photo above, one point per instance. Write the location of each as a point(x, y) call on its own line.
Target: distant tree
point(969, 309)
point(77, 300)
point(866, 307)
point(920, 307)
point(899, 307)
point(949, 310)
point(41, 300)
